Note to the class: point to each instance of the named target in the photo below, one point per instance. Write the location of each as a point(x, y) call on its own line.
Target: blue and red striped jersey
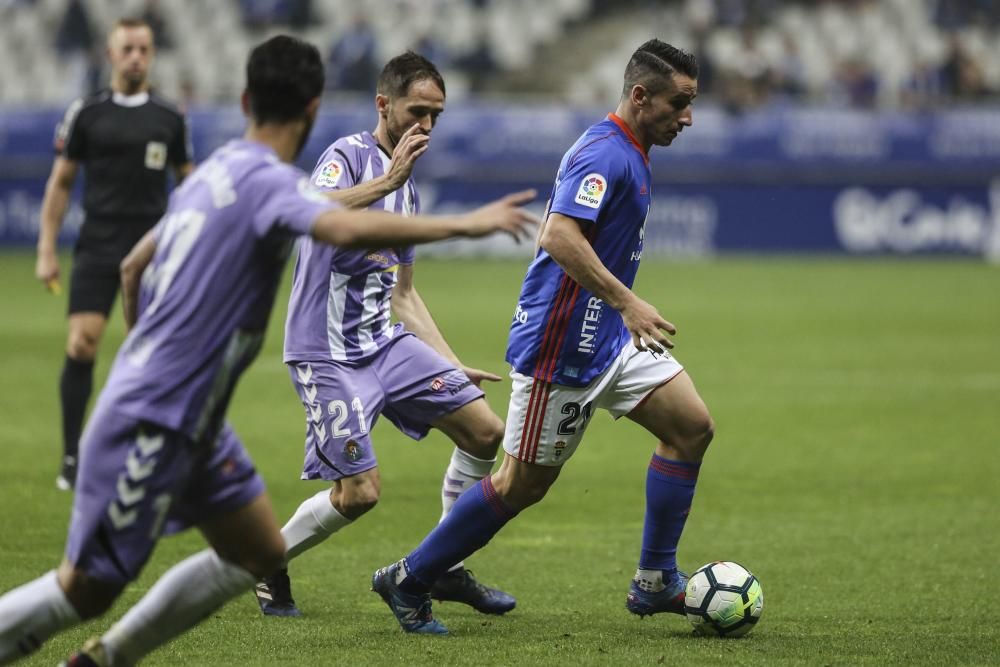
point(561, 332)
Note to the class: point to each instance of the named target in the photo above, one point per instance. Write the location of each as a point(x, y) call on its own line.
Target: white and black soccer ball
point(723, 599)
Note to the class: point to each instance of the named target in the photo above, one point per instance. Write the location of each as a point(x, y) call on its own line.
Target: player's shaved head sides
point(653, 65)
point(402, 71)
point(284, 75)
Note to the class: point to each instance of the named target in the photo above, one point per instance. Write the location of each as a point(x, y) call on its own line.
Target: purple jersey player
point(581, 340)
point(157, 454)
point(350, 364)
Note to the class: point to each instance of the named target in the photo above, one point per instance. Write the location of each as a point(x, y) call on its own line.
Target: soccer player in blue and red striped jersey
point(581, 340)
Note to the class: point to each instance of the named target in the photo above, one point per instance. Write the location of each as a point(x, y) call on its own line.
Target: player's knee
point(357, 497)
point(82, 345)
point(702, 432)
point(484, 441)
point(356, 505)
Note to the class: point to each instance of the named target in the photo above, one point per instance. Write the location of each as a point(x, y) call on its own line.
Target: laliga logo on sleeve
point(592, 190)
point(329, 174)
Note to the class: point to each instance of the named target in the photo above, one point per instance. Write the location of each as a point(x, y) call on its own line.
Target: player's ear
point(382, 104)
point(245, 102)
point(312, 108)
point(639, 95)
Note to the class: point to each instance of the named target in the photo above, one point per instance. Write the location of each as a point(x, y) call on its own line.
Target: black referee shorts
point(94, 282)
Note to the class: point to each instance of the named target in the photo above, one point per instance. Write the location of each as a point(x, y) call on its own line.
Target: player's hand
point(503, 215)
point(409, 148)
point(479, 376)
point(47, 268)
point(647, 327)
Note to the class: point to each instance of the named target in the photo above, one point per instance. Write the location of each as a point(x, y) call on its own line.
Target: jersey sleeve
point(586, 181)
point(70, 140)
point(290, 204)
point(337, 168)
point(180, 150)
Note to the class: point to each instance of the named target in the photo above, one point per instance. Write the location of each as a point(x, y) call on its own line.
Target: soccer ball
point(723, 599)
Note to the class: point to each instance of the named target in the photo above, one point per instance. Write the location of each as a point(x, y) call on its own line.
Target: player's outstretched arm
point(409, 308)
point(54, 205)
point(367, 229)
point(565, 242)
point(131, 270)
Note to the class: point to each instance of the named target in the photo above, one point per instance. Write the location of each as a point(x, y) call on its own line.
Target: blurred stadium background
point(830, 126)
point(855, 467)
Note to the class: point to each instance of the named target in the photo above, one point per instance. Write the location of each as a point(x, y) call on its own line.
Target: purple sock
point(476, 517)
point(669, 491)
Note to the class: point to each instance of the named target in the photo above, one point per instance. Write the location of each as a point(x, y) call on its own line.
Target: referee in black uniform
point(125, 137)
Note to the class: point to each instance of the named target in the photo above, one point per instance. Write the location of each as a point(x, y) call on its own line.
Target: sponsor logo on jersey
point(588, 330)
point(381, 258)
point(592, 189)
point(156, 155)
point(520, 315)
point(329, 174)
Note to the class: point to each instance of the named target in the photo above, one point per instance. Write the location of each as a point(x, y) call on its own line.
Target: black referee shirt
point(125, 144)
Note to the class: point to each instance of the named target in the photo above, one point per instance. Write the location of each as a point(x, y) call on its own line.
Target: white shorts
point(545, 421)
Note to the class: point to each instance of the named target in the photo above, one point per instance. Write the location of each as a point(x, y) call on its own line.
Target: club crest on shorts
point(437, 384)
point(559, 447)
point(329, 174)
point(352, 451)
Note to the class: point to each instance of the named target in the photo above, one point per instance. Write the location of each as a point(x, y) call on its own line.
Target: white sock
point(184, 596)
point(32, 613)
point(315, 520)
point(463, 471)
point(650, 581)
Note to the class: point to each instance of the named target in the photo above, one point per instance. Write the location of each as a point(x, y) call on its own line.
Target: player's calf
point(90, 597)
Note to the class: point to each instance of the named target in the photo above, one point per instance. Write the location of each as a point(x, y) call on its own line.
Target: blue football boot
point(412, 610)
point(274, 595)
point(459, 585)
point(670, 599)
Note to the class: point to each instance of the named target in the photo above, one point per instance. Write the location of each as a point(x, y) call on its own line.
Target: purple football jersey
point(339, 306)
point(206, 297)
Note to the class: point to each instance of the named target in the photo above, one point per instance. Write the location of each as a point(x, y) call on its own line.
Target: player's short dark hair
point(130, 22)
point(653, 65)
point(284, 75)
point(403, 71)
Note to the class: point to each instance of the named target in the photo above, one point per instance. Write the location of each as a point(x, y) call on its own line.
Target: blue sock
point(476, 517)
point(669, 492)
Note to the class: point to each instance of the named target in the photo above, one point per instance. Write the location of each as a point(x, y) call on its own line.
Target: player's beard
point(393, 133)
point(306, 131)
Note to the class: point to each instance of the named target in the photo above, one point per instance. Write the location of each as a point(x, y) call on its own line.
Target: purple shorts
point(406, 380)
point(137, 481)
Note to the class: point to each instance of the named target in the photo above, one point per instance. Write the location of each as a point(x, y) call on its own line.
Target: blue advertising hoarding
point(782, 180)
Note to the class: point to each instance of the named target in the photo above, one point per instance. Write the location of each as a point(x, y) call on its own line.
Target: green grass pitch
point(855, 472)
